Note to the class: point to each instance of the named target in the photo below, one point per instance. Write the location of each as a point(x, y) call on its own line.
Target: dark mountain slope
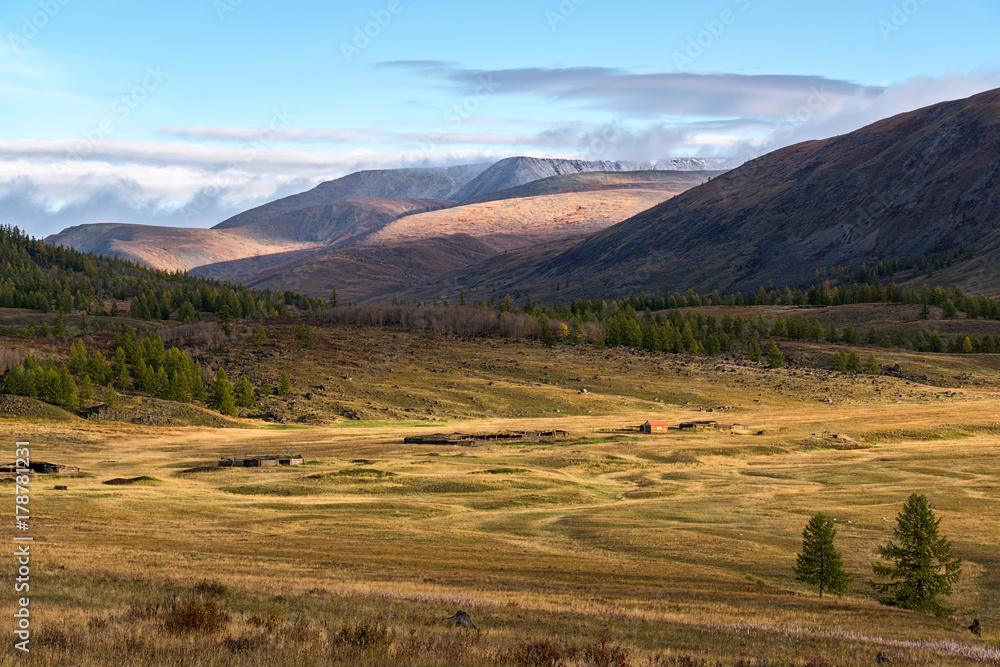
point(368, 271)
point(912, 185)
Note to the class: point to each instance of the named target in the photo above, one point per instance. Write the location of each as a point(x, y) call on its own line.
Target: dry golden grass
point(541, 217)
point(668, 546)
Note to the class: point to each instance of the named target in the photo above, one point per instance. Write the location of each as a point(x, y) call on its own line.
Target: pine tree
point(922, 563)
point(775, 359)
point(222, 394)
point(225, 318)
point(244, 394)
point(110, 397)
point(60, 330)
point(333, 298)
point(872, 367)
point(259, 337)
point(820, 564)
point(840, 362)
point(599, 339)
point(853, 363)
point(86, 389)
point(967, 345)
point(754, 351)
point(16, 381)
point(575, 332)
point(304, 334)
point(545, 334)
point(77, 357)
point(65, 393)
point(284, 384)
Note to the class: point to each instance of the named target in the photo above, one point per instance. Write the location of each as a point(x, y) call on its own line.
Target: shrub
point(304, 334)
point(210, 588)
point(195, 616)
point(543, 653)
point(602, 655)
point(365, 636)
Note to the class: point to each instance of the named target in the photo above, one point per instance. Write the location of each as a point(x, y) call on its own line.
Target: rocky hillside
point(515, 171)
point(918, 184)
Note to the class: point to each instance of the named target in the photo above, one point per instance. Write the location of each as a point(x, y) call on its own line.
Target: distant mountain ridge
point(419, 183)
point(516, 171)
point(548, 199)
point(917, 184)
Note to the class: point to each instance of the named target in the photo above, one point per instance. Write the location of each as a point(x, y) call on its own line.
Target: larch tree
point(921, 565)
point(820, 564)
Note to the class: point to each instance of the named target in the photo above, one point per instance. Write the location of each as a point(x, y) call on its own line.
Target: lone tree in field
point(222, 394)
point(922, 563)
point(820, 564)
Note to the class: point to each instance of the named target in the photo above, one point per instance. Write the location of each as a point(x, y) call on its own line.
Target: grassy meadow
point(605, 548)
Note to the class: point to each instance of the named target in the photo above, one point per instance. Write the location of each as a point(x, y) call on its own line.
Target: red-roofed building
point(654, 426)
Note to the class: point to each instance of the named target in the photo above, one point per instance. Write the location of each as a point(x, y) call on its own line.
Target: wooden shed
point(698, 425)
point(295, 460)
point(655, 426)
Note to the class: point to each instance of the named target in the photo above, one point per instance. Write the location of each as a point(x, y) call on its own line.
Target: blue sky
point(187, 112)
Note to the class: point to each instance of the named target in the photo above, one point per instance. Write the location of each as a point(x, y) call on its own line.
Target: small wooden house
point(296, 460)
point(655, 426)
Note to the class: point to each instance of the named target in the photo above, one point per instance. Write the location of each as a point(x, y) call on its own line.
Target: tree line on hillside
point(619, 324)
point(38, 276)
point(920, 565)
point(134, 364)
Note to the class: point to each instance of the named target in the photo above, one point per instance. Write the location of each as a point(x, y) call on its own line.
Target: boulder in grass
point(461, 620)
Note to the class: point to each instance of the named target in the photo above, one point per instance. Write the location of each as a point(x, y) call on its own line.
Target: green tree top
point(244, 394)
point(222, 394)
point(775, 359)
point(820, 564)
point(284, 384)
point(921, 563)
